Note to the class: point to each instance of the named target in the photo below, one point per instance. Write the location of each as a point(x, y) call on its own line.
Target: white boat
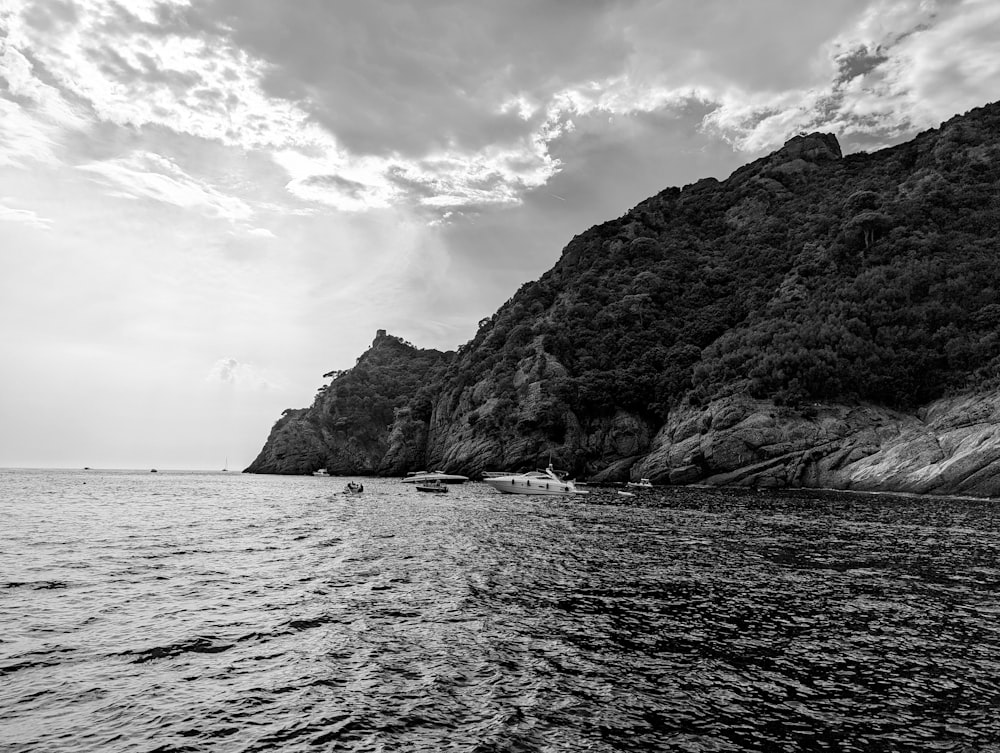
point(321, 472)
point(533, 482)
point(643, 483)
point(418, 477)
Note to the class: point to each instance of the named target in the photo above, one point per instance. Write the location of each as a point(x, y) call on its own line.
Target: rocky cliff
point(813, 320)
point(357, 424)
point(951, 446)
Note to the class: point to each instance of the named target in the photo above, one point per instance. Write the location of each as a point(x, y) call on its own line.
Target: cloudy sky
point(206, 205)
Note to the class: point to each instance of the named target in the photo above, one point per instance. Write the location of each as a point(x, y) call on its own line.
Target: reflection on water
point(218, 612)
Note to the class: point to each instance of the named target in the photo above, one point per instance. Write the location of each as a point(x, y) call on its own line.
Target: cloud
point(33, 114)
point(947, 63)
point(902, 66)
point(442, 106)
point(243, 376)
point(25, 217)
point(147, 175)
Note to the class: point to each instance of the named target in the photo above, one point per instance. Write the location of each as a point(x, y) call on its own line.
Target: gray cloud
point(339, 183)
point(858, 62)
point(409, 79)
point(146, 71)
point(52, 15)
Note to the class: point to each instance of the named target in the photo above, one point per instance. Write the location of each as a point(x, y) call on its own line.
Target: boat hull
point(530, 486)
point(444, 478)
point(435, 488)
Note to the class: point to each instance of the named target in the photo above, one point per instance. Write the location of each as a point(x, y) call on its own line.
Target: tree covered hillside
point(806, 278)
point(346, 428)
point(805, 275)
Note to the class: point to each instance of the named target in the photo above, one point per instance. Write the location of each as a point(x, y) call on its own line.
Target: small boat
point(434, 485)
point(152, 470)
point(354, 487)
point(321, 472)
point(534, 482)
point(418, 477)
point(643, 483)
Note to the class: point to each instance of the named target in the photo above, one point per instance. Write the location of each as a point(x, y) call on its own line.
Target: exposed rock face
point(295, 446)
point(952, 446)
point(513, 423)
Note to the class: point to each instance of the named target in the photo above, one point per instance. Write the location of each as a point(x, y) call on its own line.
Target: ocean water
point(227, 612)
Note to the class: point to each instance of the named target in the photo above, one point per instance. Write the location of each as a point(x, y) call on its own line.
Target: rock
point(862, 447)
point(685, 474)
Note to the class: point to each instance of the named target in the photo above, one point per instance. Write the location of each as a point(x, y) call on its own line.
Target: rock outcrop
point(951, 446)
point(362, 423)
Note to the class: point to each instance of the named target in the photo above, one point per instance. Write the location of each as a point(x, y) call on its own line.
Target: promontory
point(813, 320)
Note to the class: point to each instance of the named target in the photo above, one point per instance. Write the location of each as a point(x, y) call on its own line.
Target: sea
point(186, 611)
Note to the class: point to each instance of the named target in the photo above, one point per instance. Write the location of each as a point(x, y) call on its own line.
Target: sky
point(207, 205)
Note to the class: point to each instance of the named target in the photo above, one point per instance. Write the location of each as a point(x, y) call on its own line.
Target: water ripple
point(222, 612)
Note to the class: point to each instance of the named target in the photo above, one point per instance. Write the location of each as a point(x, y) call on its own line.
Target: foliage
point(870, 277)
point(392, 374)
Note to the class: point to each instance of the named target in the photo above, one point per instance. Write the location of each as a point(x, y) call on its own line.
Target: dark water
point(223, 612)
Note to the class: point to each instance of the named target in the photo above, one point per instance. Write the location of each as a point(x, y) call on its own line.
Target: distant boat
point(643, 483)
point(321, 472)
point(152, 470)
point(533, 482)
point(354, 487)
point(435, 485)
point(225, 466)
point(418, 477)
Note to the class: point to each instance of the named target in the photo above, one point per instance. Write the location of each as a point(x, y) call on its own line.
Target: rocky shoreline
point(948, 447)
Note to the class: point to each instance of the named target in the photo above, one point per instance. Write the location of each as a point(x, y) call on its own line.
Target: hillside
point(346, 429)
point(791, 324)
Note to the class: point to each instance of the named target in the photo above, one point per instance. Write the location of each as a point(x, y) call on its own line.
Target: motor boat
point(643, 483)
point(434, 485)
point(354, 487)
point(418, 477)
point(321, 472)
point(533, 482)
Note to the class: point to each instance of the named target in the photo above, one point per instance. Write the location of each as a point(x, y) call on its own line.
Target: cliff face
point(513, 421)
point(951, 446)
point(813, 320)
point(347, 428)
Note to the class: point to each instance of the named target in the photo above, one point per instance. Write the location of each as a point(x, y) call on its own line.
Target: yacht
point(321, 472)
point(419, 477)
point(533, 482)
point(643, 483)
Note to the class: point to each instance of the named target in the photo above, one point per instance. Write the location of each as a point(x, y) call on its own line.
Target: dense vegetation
point(362, 401)
point(804, 276)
